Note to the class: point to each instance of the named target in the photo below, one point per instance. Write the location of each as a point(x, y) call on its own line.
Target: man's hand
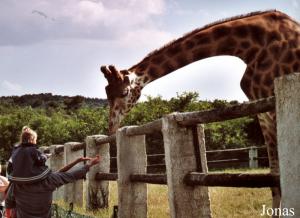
point(93, 161)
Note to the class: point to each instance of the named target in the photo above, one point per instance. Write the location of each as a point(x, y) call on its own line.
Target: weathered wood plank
point(108, 139)
point(59, 149)
point(232, 180)
point(148, 128)
point(77, 147)
point(106, 176)
point(226, 113)
point(149, 178)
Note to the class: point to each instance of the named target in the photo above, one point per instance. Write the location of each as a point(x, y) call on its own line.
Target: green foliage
point(241, 132)
point(227, 134)
point(53, 126)
point(156, 107)
point(73, 121)
point(152, 109)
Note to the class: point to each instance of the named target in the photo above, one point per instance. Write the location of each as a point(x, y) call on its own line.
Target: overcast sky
point(58, 46)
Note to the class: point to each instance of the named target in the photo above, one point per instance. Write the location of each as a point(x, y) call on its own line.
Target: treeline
point(74, 121)
point(46, 100)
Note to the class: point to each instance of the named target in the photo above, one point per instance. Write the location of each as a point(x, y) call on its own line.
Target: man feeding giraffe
point(268, 42)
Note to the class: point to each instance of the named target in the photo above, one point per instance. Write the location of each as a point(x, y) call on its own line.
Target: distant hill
point(44, 100)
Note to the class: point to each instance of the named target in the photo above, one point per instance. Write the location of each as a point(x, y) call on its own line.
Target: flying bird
point(40, 13)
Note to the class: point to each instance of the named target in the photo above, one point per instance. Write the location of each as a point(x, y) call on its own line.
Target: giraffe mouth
point(114, 92)
point(125, 92)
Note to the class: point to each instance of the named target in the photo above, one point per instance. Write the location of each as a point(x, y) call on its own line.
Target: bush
point(57, 125)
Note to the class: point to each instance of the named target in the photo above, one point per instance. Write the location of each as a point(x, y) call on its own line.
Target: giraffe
point(268, 42)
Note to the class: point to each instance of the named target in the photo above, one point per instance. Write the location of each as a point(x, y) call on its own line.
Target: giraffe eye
point(125, 92)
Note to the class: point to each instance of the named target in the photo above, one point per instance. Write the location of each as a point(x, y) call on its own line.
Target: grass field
point(225, 202)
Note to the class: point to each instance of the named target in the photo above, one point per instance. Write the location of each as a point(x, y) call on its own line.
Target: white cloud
point(11, 86)
point(295, 3)
point(87, 19)
point(148, 6)
point(84, 12)
point(141, 38)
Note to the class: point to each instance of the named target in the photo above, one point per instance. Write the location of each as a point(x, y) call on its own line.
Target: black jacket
point(27, 164)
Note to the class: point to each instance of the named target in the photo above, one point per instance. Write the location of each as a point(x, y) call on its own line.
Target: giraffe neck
point(243, 37)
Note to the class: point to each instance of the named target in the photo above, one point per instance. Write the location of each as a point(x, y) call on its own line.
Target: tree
point(58, 124)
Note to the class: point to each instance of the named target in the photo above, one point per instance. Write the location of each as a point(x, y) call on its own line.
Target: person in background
point(27, 163)
point(30, 193)
point(3, 186)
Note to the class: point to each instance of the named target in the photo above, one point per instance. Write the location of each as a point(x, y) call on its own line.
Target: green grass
point(225, 202)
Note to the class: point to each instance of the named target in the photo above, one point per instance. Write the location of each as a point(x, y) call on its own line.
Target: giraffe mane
point(221, 21)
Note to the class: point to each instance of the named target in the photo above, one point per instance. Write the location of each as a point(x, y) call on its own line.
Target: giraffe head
point(122, 93)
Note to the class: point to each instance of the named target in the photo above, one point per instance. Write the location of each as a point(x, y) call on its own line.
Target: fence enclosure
point(187, 174)
point(248, 157)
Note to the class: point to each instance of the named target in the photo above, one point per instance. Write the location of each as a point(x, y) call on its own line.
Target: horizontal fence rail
point(108, 139)
point(106, 176)
point(58, 149)
point(79, 146)
point(216, 159)
point(202, 179)
point(226, 113)
point(148, 128)
point(160, 179)
point(245, 180)
point(211, 179)
point(233, 180)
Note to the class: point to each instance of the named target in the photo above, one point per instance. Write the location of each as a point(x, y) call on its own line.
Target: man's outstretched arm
point(72, 164)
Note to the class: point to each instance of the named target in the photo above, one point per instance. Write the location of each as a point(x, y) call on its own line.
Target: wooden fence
point(187, 174)
point(248, 157)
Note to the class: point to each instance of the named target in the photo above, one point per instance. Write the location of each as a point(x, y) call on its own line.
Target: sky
point(58, 46)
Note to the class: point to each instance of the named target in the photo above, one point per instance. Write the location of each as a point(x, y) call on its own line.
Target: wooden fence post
point(97, 191)
point(287, 90)
point(131, 159)
point(203, 191)
point(73, 191)
point(253, 161)
point(56, 163)
point(185, 201)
